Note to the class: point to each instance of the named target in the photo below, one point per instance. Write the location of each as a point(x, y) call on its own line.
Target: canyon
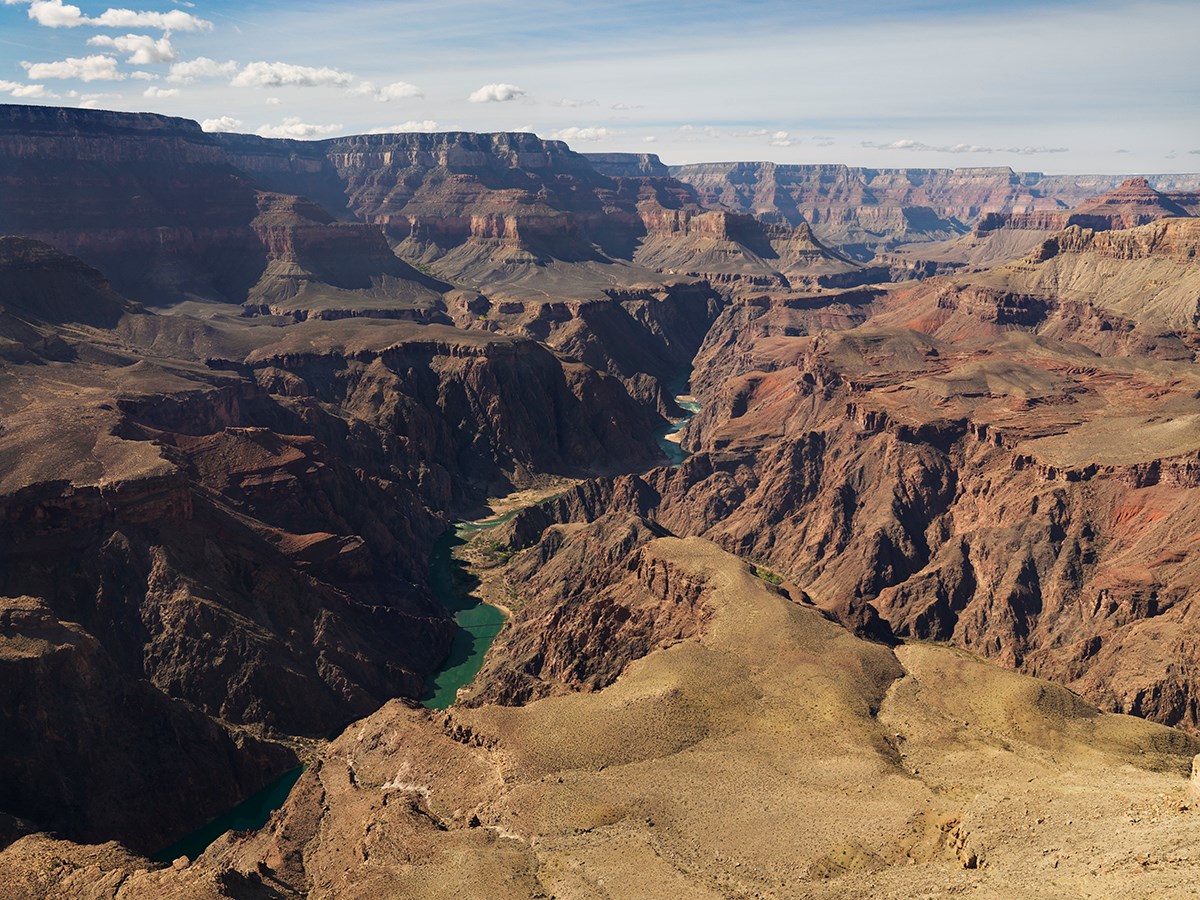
point(909, 610)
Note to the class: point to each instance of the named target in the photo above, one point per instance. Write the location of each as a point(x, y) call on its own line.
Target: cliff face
point(962, 464)
point(154, 202)
point(868, 210)
point(94, 753)
point(681, 777)
point(233, 519)
point(628, 165)
point(1132, 203)
point(435, 193)
point(591, 602)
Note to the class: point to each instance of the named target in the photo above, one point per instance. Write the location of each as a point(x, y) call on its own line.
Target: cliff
point(682, 776)
point(225, 523)
point(865, 211)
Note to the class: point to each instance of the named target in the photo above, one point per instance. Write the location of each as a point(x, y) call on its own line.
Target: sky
point(1057, 86)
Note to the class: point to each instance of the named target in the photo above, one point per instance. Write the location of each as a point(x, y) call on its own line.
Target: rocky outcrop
point(738, 251)
point(591, 602)
point(321, 267)
point(94, 753)
point(628, 165)
point(645, 336)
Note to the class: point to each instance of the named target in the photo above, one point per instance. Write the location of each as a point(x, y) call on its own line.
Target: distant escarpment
point(864, 211)
point(154, 201)
point(1000, 237)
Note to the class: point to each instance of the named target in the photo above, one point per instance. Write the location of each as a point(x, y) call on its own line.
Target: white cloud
point(175, 20)
point(575, 104)
point(56, 14)
point(293, 127)
point(496, 93)
point(143, 50)
point(16, 89)
point(781, 139)
point(278, 74)
point(143, 76)
point(224, 123)
point(53, 14)
point(200, 67)
point(907, 144)
point(582, 134)
point(157, 93)
point(649, 139)
point(86, 68)
point(407, 127)
point(273, 101)
point(398, 90)
point(624, 106)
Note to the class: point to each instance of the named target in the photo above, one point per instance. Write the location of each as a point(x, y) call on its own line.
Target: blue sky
point(1049, 86)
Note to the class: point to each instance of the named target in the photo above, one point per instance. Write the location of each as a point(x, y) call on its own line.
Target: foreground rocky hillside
point(684, 775)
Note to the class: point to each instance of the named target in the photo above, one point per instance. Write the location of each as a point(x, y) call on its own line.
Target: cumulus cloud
point(279, 74)
point(582, 134)
point(23, 91)
point(407, 127)
point(397, 90)
point(85, 68)
point(224, 123)
point(143, 76)
point(56, 14)
point(649, 139)
point(175, 20)
point(53, 14)
point(200, 67)
point(157, 93)
point(961, 148)
point(293, 127)
point(273, 101)
point(142, 49)
point(496, 93)
point(781, 139)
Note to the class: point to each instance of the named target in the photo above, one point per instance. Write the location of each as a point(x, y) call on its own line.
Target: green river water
point(478, 624)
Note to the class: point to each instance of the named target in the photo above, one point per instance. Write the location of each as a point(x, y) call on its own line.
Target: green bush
point(767, 575)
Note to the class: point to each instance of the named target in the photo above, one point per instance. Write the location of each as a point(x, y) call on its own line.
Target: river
point(478, 623)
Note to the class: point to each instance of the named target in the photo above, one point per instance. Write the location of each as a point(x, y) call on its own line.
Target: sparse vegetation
point(767, 575)
point(495, 552)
